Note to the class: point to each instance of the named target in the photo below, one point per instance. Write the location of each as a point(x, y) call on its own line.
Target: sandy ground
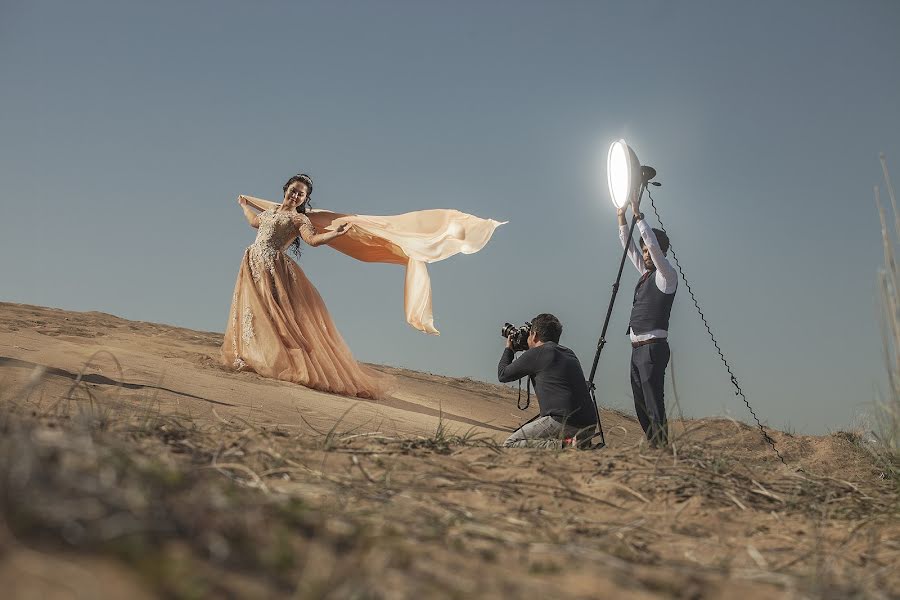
point(715, 516)
point(180, 368)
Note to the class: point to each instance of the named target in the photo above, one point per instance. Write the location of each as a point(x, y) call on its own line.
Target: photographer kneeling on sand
point(567, 410)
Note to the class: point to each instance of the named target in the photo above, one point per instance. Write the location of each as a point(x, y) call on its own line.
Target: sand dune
point(435, 508)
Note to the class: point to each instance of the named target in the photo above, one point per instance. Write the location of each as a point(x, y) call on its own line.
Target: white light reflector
point(620, 172)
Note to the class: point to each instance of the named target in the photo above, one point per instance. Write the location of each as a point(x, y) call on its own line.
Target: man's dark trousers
point(648, 376)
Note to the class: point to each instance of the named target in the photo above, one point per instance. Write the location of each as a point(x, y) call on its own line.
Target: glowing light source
point(623, 173)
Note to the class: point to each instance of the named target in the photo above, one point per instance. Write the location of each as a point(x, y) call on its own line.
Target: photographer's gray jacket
point(559, 382)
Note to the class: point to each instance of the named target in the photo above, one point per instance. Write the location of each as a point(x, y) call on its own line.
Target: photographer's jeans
point(543, 432)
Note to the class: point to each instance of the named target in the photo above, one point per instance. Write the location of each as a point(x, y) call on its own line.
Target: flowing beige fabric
point(279, 326)
point(412, 239)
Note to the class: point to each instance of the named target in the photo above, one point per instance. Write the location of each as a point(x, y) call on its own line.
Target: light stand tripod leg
point(602, 342)
point(599, 432)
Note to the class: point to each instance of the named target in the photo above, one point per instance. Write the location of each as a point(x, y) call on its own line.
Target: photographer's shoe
point(577, 443)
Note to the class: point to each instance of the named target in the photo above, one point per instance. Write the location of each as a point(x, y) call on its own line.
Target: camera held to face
point(518, 336)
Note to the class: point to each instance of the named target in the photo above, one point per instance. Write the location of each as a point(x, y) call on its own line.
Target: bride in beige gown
point(278, 325)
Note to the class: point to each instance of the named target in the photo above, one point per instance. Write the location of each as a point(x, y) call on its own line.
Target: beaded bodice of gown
point(276, 231)
point(275, 234)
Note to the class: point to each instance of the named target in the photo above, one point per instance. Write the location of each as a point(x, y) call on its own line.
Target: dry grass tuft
point(887, 410)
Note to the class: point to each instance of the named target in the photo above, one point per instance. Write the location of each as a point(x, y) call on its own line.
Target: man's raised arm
point(633, 253)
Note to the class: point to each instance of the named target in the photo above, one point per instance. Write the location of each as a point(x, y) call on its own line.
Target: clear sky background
point(128, 129)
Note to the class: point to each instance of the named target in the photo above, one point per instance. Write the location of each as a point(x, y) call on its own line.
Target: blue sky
point(128, 129)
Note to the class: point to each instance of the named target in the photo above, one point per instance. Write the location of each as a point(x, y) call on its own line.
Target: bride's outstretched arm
point(309, 234)
point(251, 216)
point(258, 203)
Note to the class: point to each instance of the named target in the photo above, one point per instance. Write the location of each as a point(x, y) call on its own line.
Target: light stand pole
point(646, 174)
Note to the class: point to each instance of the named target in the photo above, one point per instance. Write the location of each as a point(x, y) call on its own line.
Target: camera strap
point(527, 397)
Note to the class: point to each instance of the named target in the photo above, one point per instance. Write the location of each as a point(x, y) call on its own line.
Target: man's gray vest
point(652, 306)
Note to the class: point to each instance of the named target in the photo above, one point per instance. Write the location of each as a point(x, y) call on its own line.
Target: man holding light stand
point(649, 323)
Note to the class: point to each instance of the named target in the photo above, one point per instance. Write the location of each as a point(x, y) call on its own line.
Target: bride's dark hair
point(306, 179)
